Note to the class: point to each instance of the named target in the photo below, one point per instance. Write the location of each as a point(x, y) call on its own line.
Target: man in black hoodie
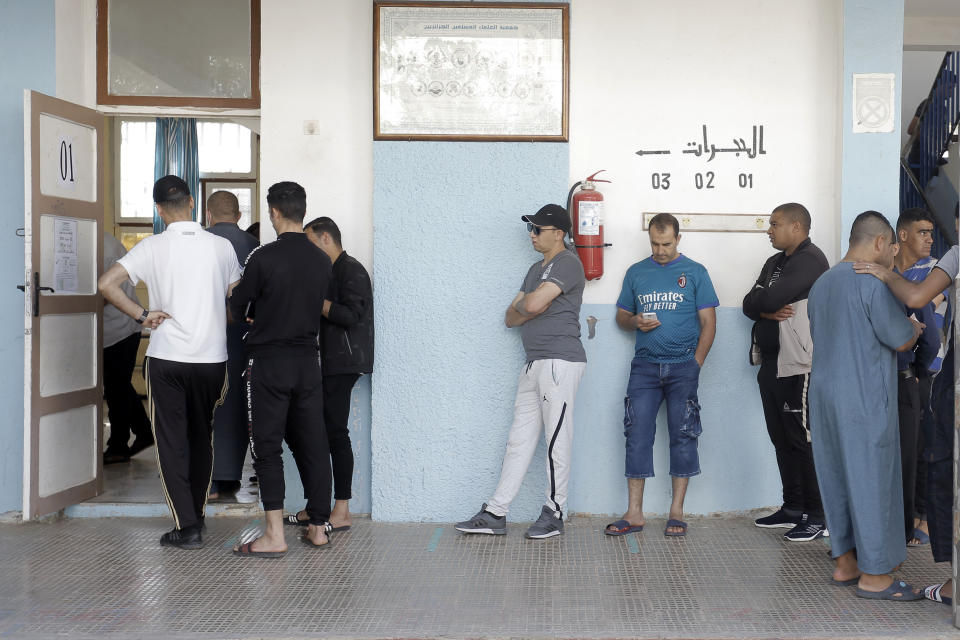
point(782, 347)
point(281, 294)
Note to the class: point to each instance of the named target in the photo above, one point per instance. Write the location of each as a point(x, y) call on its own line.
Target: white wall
point(316, 66)
point(647, 75)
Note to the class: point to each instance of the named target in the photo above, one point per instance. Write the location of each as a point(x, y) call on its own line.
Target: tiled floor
point(109, 578)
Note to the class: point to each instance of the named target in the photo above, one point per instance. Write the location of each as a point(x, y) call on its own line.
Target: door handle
point(36, 293)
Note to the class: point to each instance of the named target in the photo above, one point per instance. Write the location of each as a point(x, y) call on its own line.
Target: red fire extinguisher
point(586, 215)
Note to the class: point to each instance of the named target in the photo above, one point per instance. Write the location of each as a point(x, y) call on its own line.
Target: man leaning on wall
point(781, 345)
point(346, 353)
point(547, 310)
point(669, 302)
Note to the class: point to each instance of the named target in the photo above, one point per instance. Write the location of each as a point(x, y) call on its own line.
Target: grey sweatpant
point(545, 396)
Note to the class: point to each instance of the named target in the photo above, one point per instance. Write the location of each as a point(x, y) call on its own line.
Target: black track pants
point(785, 411)
point(285, 402)
point(337, 390)
point(183, 397)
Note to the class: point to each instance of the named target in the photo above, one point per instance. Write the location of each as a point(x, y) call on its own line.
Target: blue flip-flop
point(622, 528)
point(675, 523)
point(921, 536)
point(898, 590)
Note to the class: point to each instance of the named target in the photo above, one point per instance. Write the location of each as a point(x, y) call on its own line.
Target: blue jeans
point(650, 384)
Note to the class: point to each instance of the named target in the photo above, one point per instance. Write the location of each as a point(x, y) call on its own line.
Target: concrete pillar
point(870, 171)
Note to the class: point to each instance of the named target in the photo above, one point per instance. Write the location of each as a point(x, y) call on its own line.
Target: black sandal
point(293, 519)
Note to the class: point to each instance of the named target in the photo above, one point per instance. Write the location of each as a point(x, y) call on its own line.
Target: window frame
point(104, 97)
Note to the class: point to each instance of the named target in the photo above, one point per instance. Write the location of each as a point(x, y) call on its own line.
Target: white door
point(63, 426)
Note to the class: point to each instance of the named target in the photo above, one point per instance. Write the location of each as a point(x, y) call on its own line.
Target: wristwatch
point(143, 317)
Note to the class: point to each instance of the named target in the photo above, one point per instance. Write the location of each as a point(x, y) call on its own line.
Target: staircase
point(923, 154)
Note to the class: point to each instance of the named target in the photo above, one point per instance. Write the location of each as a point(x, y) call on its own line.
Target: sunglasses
point(535, 230)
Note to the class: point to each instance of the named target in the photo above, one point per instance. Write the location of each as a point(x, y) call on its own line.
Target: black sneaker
point(188, 538)
point(778, 520)
point(805, 531)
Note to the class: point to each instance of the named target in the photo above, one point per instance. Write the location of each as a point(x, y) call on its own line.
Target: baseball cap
point(169, 189)
point(550, 215)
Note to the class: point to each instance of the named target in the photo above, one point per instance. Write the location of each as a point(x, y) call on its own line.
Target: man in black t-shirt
point(281, 293)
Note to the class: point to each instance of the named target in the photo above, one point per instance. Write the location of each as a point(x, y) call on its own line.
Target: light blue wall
point(449, 254)
point(27, 50)
point(870, 163)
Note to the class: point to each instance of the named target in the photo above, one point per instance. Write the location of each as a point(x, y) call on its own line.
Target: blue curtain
point(176, 154)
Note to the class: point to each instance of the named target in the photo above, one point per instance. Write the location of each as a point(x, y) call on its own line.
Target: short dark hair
point(172, 192)
point(324, 224)
point(911, 215)
point(795, 212)
point(867, 226)
point(289, 198)
point(663, 220)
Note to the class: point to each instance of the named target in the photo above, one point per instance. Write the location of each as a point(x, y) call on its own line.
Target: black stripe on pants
point(337, 390)
point(183, 397)
point(285, 402)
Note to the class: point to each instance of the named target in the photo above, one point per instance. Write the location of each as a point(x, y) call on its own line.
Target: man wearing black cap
point(547, 310)
point(186, 358)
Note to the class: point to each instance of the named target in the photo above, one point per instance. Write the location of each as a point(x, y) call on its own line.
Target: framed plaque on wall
point(470, 71)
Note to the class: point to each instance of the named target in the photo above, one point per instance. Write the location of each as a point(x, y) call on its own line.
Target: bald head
point(222, 206)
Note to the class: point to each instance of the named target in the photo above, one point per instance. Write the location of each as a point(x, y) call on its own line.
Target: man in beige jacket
point(782, 347)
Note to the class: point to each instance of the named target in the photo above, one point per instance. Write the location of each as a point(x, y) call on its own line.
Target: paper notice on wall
point(66, 265)
point(873, 102)
point(590, 218)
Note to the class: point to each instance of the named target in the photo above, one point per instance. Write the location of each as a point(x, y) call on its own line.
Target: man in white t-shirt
point(189, 273)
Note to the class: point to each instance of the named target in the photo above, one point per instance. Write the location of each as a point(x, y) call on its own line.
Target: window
point(138, 140)
point(227, 153)
point(225, 148)
point(179, 53)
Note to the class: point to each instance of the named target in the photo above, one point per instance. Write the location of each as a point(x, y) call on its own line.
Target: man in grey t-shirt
point(547, 310)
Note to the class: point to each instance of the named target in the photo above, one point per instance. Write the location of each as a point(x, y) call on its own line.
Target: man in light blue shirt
point(668, 300)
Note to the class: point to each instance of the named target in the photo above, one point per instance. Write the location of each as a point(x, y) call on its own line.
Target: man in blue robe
point(857, 325)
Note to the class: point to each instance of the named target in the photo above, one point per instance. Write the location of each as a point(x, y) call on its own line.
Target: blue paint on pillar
point(870, 163)
point(450, 253)
point(27, 46)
